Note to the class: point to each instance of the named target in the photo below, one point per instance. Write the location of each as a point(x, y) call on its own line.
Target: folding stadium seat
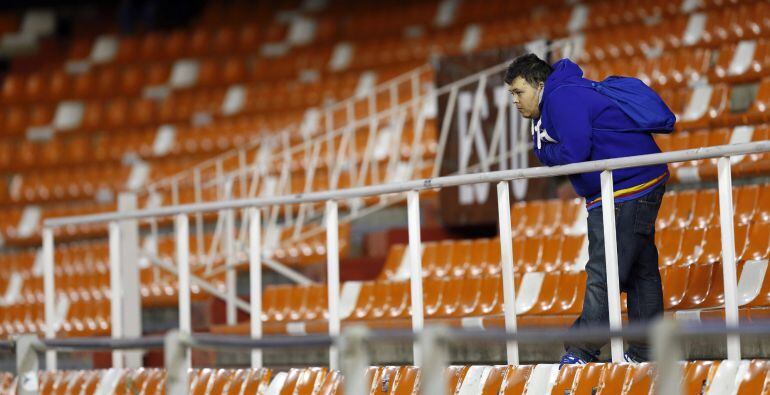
point(455, 376)
point(745, 203)
point(248, 38)
point(332, 384)
point(175, 45)
point(158, 73)
point(14, 89)
point(551, 217)
point(696, 375)
point(674, 280)
point(743, 62)
point(538, 292)
point(255, 381)
point(685, 206)
point(551, 252)
point(515, 379)
point(393, 261)
point(699, 284)
point(570, 256)
point(384, 379)
point(707, 169)
point(753, 164)
point(705, 209)
point(753, 379)
point(155, 382)
point(763, 206)
point(565, 379)
point(705, 105)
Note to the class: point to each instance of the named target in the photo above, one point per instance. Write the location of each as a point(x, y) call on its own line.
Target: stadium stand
point(113, 112)
point(746, 377)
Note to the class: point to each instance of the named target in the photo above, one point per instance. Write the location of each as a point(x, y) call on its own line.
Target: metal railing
point(412, 189)
point(357, 343)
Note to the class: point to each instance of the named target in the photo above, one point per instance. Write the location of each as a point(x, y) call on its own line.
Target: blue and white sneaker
point(630, 359)
point(571, 359)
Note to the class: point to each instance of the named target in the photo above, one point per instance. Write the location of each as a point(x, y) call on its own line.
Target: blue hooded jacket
point(576, 125)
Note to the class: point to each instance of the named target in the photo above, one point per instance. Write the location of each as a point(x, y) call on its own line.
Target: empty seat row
point(728, 24)
point(739, 377)
point(693, 291)
point(751, 165)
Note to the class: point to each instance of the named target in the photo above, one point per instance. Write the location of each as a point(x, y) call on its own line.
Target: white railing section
point(274, 161)
point(412, 188)
point(509, 142)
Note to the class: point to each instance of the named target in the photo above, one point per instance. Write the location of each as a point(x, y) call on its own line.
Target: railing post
point(667, 354)
point(116, 292)
point(175, 355)
point(255, 282)
point(355, 359)
point(131, 297)
point(333, 277)
point(433, 344)
point(509, 287)
point(198, 190)
point(183, 267)
point(728, 255)
point(231, 275)
point(415, 266)
point(27, 365)
point(611, 261)
point(50, 295)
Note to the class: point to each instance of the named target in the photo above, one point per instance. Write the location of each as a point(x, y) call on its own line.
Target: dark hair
point(529, 67)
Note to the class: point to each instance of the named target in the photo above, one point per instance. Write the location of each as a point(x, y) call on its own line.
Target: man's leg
point(645, 292)
point(595, 306)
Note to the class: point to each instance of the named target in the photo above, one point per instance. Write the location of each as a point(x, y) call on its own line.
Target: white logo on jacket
point(542, 134)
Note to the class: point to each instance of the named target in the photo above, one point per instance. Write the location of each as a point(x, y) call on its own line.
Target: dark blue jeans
point(637, 268)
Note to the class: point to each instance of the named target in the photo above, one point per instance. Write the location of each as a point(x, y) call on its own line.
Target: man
point(572, 122)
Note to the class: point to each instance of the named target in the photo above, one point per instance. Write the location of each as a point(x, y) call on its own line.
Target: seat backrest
point(473, 382)
point(542, 379)
point(723, 379)
point(752, 377)
point(696, 375)
point(455, 376)
point(565, 379)
point(612, 379)
point(515, 379)
point(406, 381)
point(587, 379)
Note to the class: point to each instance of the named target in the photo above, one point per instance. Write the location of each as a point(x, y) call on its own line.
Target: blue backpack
point(639, 102)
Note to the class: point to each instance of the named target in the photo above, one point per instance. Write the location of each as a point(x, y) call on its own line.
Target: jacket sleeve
point(571, 127)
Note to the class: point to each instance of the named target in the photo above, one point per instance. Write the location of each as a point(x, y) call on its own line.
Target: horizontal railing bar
point(205, 340)
point(440, 182)
point(532, 336)
point(101, 343)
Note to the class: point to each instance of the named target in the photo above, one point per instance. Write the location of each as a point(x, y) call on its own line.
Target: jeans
point(637, 270)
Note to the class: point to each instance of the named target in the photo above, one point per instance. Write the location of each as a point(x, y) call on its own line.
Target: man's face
point(526, 97)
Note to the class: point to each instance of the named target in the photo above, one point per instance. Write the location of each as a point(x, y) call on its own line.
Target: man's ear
point(541, 85)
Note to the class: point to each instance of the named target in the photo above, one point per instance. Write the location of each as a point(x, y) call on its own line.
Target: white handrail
point(423, 184)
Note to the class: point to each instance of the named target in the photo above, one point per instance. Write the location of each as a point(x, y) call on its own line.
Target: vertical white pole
point(183, 268)
point(333, 277)
point(728, 255)
point(198, 216)
point(116, 292)
point(231, 273)
point(50, 297)
point(506, 252)
point(415, 266)
point(255, 282)
point(611, 259)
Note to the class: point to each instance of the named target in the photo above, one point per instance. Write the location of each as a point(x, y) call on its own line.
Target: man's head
point(525, 78)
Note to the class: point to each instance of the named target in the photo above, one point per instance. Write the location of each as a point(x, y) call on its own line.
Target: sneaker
point(631, 359)
point(571, 359)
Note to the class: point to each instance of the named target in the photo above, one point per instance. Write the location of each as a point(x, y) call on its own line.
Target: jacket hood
point(565, 71)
